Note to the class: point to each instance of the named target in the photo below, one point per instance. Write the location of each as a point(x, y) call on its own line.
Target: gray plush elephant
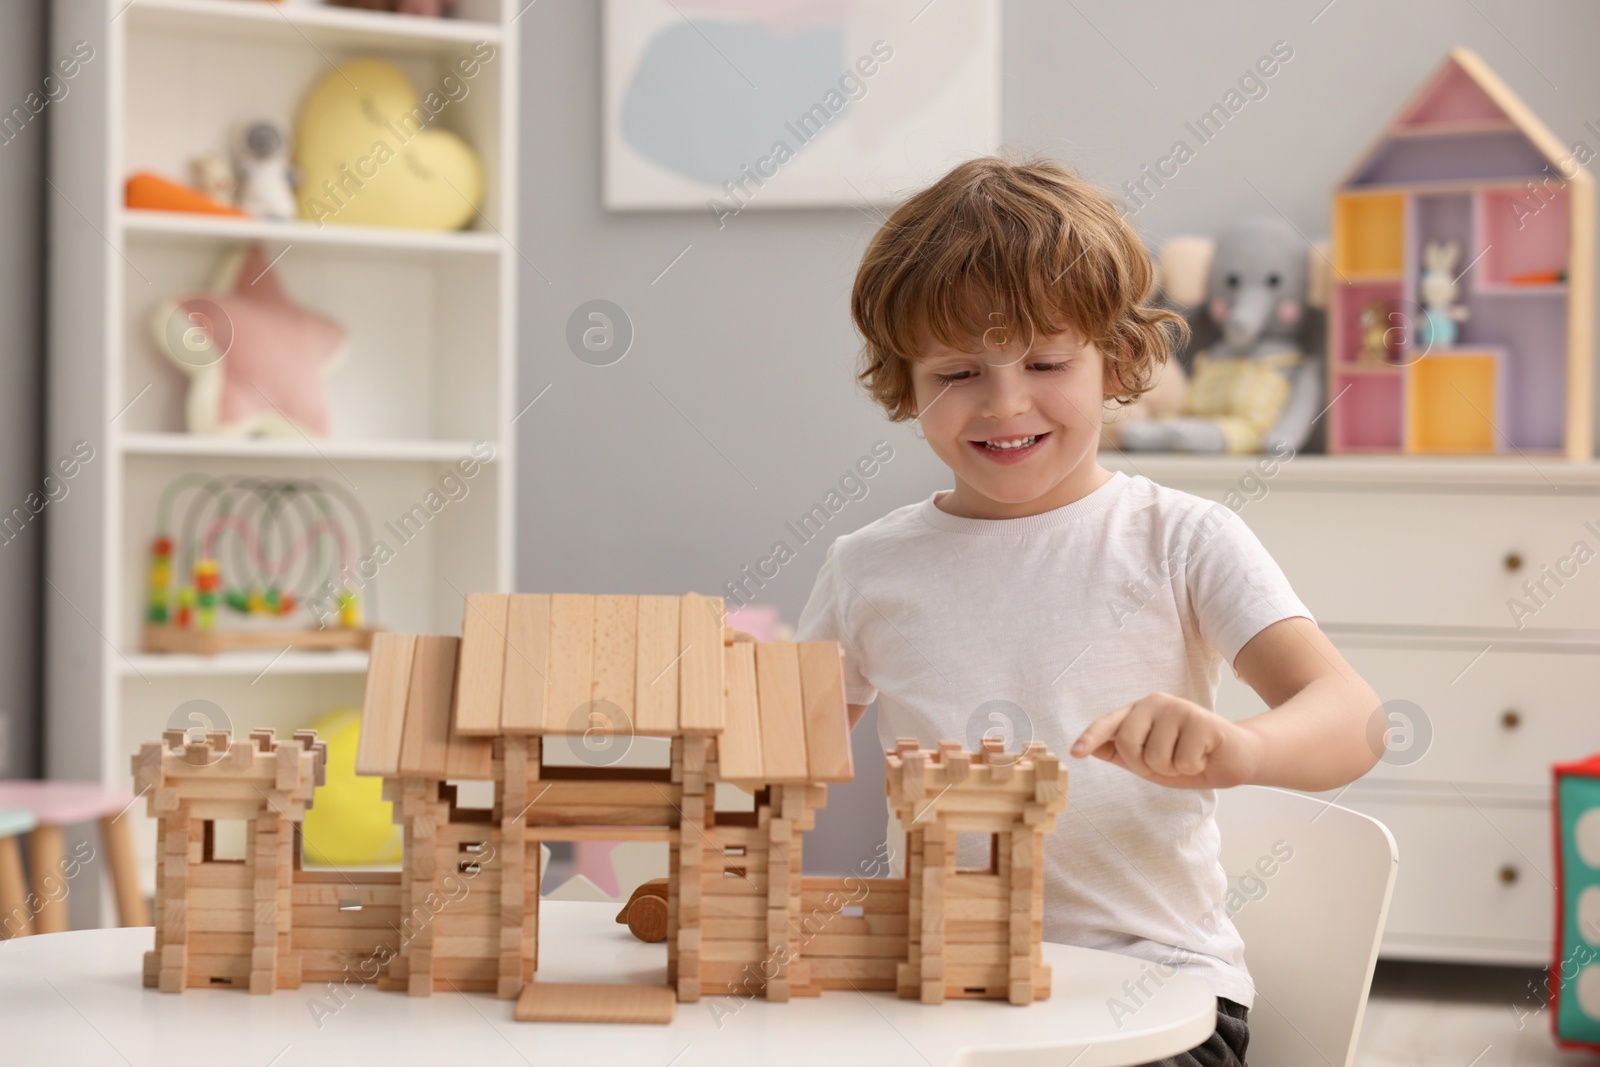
point(1254, 386)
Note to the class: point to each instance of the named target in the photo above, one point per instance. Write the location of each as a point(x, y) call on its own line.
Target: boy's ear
point(1111, 374)
point(1112, 384)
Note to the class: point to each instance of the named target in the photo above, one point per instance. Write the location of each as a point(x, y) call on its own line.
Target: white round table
point(77, 998)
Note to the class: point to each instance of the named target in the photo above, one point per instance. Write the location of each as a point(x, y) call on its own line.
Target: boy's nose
point(1008, 394)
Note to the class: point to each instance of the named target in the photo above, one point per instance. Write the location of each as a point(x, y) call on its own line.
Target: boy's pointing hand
point(1174, 742)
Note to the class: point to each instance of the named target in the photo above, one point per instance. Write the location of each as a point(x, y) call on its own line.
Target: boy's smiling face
point(973, 403)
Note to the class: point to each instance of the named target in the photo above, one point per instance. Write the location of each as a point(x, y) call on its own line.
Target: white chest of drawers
point(1414, 568)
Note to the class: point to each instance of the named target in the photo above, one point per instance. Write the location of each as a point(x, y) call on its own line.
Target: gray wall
point(22, 68)
point(735, 409)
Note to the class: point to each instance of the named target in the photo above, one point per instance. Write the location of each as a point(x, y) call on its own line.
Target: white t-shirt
point(1031, 628)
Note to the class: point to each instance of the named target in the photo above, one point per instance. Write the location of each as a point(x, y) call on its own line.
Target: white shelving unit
point(430, 372)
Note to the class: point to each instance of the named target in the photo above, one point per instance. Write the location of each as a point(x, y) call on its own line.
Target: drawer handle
point(1511, 718)
point(1508, 873)
point(1513, 561)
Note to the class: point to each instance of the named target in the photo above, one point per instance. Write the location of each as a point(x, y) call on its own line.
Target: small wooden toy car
point(646, 910)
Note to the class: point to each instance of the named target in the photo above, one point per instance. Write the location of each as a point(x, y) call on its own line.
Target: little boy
point(1059, 601)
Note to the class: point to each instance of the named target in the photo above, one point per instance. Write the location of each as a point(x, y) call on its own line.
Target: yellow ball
point(349, 824)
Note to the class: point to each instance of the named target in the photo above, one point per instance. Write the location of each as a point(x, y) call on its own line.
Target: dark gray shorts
point(1225, 1048)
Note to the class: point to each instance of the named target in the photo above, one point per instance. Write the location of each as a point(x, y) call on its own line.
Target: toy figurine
point(1375, 332)
point(264, 178)
point(1440, 312)
point(212, 175)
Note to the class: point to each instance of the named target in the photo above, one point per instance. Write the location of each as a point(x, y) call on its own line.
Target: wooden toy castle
point(741, 917)
point(1492, 354)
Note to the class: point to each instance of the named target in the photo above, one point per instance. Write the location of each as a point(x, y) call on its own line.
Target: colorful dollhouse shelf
point(214, 642)
point(1465, 162)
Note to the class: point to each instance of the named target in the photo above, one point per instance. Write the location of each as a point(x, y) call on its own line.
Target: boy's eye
point(961, 376)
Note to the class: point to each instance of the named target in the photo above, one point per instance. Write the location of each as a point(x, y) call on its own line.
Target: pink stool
point(58, 804)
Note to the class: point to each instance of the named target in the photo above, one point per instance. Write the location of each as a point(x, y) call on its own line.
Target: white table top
point(77, 998)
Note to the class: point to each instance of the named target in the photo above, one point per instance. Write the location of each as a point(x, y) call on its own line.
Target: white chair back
point(1316, 880)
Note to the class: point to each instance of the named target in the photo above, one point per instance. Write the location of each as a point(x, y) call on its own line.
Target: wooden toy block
point(483, 660)
point(700, 668)
point(782, 712)
point(821, 667)
point(735, 914)
point(593, 1003)
point(656, 681)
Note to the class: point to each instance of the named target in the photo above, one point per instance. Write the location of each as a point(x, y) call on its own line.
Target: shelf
point(315, 24)
point(1555, 289)
point(181, 444)
point(1434, 187)
point(223, 228)
point(1366, 368)
point(1381, 468)
point(1454, 129)
point(1369, 277)
point(247, 664)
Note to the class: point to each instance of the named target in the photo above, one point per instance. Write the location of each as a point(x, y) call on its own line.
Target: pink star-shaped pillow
point(256, 360)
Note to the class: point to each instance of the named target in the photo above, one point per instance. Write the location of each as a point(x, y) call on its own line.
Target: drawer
point(1434, 559)
point(1501, 721)
point(1461, 878)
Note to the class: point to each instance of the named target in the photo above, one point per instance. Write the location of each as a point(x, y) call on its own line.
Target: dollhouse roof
point(555, 663)
point(1463, 124)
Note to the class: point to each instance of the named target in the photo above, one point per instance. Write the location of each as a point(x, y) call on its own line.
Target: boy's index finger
point(1097, 732)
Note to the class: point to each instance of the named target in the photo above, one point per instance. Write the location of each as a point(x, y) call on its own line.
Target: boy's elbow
point(1372, 719)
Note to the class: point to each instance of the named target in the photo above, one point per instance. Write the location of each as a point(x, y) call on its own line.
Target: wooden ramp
point(595, 1002)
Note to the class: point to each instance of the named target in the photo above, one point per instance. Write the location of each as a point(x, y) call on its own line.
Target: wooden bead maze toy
point(273, 556)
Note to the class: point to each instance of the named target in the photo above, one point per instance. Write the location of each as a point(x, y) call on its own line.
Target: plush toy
point(261, 159)
point(213, 176)
point(1181, 265)
point(367, 154)
point(255, 358)
point(349, 824)
point(151, 192)
point(1440, 312)
point(1254, 384)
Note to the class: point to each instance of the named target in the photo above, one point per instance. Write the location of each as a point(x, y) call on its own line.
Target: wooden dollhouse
point(1464, 166)
point(588, 672)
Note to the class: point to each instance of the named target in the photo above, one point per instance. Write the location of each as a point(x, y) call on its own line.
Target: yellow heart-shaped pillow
point(366, 156)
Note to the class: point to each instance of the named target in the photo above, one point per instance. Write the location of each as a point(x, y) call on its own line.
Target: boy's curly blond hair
point(1028, 245)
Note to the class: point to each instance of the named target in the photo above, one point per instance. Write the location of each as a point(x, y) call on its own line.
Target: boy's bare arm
point(1317, 734)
